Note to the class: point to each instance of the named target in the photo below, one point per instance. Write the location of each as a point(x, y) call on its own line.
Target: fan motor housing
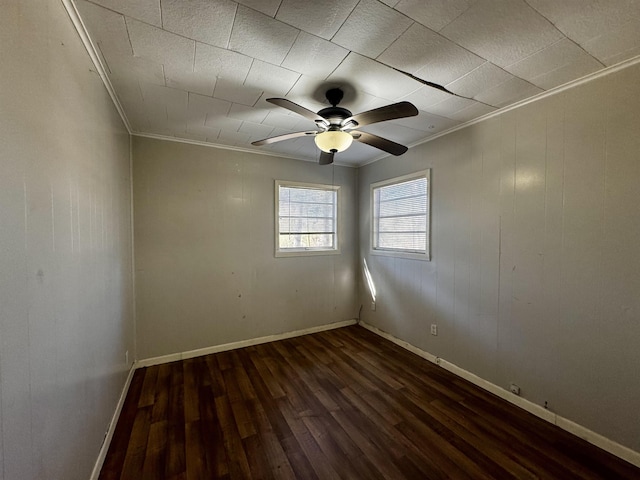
point(335, 115)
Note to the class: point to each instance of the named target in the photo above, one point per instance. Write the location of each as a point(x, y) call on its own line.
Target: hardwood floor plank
point(364, 415)
point(489, 448)
point(411, 370)
point(258, 464)
point(244, 384)
point(277, 426)
point(137, 448)
point(546, 446)
point(376, 373)
point(355, 376)
point(493, 435)
point(349, 364)
point(212, 435)
point(445, 460)
point(275, 390)
point(389, 440)
point(298, 459)
point(318, 427)
point(318, 460)
point(232, 440)
point(377, 456)
point(308, 386)
point(215, 376)
point(340, 404)
point(161, 402)
point(148, 393)
point(195, 452)
point(192, 381)
point(357, 435)
point(242, 416)
point(328, 375)
point(454, 436)
point(274, 454)
point(176, 463)
point(291, 384)
point(155, 457)
point(418, 377)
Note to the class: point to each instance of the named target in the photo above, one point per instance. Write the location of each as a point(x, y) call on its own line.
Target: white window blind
point(400, 220)
point(307, 217)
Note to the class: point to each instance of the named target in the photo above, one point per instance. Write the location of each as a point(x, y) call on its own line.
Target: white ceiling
point(201, 70)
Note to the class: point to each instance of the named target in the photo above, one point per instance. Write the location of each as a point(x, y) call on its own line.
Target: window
point(306, 219)
point(400, 216)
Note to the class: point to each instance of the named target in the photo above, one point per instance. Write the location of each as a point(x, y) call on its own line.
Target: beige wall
point(535, 277)
point(206, 273)
point(66, 316)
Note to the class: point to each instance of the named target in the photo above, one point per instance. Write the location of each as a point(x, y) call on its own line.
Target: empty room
point(368, 239)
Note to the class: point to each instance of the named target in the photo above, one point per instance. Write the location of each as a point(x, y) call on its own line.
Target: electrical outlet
point(373, 306)
point(434, 329)
point(126, 358)
point(515, 389)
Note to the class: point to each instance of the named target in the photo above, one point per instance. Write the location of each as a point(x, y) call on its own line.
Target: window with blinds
point(400, 216)
point(307, 218)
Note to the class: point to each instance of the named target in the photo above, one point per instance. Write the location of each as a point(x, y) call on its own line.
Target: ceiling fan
point(336, 125)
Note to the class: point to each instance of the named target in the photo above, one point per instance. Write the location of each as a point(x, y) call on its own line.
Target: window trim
point(289, 252)
point(426, 256)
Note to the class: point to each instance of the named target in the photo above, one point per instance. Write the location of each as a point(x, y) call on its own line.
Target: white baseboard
point(590, 436)
point(112, 427)
point(147, 362)
point(402, 343)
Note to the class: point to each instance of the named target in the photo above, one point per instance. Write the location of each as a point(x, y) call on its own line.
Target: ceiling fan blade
point(382, 114)
point(326, 158)
point(286, 136)
point(382, 143)
point(299, 109)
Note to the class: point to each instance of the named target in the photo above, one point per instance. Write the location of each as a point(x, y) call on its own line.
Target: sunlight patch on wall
point(367, 274)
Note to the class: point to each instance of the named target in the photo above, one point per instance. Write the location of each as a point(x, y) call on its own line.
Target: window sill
point(305, 253)
point(425, 257)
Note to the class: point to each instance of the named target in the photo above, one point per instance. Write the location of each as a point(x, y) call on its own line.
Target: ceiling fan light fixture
point(333, 141)
point(336, 126)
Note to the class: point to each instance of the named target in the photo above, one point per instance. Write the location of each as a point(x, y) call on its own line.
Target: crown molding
point(229, 147)
point(547, 93)
point(74, 15)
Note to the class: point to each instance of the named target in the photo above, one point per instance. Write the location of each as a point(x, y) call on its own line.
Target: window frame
point(301, 252)
point(426, 255)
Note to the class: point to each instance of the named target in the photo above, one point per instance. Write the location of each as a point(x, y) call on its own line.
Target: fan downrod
point(335, 115)
point(334, 95)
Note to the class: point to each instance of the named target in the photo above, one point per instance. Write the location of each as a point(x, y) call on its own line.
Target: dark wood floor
point(338, 404)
